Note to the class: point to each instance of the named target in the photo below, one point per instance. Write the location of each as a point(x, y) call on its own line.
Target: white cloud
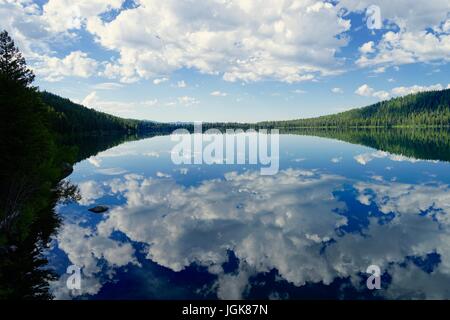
point(367, 47)
point(218, 94)
point(76, 64)
point(146, 221)
point(366, 91)
point(381, 95)
point(337, 90)
point(413, 41)
point(365, 158)
point(401, 91)
point(187, 101)
point(160, 80)
point(409, 47)
point(63, 15)
point(112, 171)
point(160, 174)
point(29, 30)
point(336, 159)
point(380, 70)
point(287, 41)
point(90, 100)
point(90, 191)
point(268, 226)
point(89, 250)
point(96, 162)
point(124, 109)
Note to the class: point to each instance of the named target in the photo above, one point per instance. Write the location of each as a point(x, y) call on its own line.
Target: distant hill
point(430, 108)
point(425, 109)
point(74, 118)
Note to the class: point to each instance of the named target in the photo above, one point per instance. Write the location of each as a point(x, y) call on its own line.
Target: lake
point(227, 232)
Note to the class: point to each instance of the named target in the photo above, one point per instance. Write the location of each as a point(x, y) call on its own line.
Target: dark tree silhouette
point(12, 64)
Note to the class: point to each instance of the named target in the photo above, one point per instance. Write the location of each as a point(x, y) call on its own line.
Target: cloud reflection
point(277, 222)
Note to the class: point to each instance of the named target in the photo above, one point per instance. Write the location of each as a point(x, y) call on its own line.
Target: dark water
point(225, 231)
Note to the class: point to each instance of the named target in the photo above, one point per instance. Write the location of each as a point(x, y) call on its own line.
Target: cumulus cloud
point(366, 91)
point(23, 21)
point(36, 30)
point(422, 34)
point(233, 213)
point(65, 15)
point(87, 249)
point(269, 226)
point(365, 158)
point(90, 190)
point(367, 47)
point(409, 47)
point(287, 41)
point(76, 64)
point(401, 91)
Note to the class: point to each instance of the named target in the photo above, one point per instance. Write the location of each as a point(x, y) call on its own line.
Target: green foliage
point(72, 118)
point(41, 132)
point(416, 142)
point(12, 64)
point(421, 109)
point(28, 147)
point(30, 164)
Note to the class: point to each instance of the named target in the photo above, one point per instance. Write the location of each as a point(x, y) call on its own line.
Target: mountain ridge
point(430, 108)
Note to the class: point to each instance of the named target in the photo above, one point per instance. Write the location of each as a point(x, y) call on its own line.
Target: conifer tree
point(12, 64)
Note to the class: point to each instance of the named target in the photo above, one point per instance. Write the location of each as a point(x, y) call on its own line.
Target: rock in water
point(99, 209)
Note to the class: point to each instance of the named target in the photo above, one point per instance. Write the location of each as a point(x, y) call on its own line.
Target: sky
point(229, 60)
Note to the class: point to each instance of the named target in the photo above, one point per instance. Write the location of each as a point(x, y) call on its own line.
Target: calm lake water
point(227, 232)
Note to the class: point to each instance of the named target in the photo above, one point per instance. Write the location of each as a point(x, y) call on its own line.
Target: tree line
point(426, 109)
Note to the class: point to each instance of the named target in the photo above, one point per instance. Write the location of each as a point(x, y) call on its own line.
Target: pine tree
point(12, 64)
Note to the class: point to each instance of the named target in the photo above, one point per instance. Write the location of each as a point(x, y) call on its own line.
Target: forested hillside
point(71, 118)
point(421, 109)
point(74, 118)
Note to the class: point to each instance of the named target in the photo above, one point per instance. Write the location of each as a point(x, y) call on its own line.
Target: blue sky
point(231, 60)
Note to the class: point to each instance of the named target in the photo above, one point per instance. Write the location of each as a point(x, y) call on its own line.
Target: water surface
point(227, 232)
